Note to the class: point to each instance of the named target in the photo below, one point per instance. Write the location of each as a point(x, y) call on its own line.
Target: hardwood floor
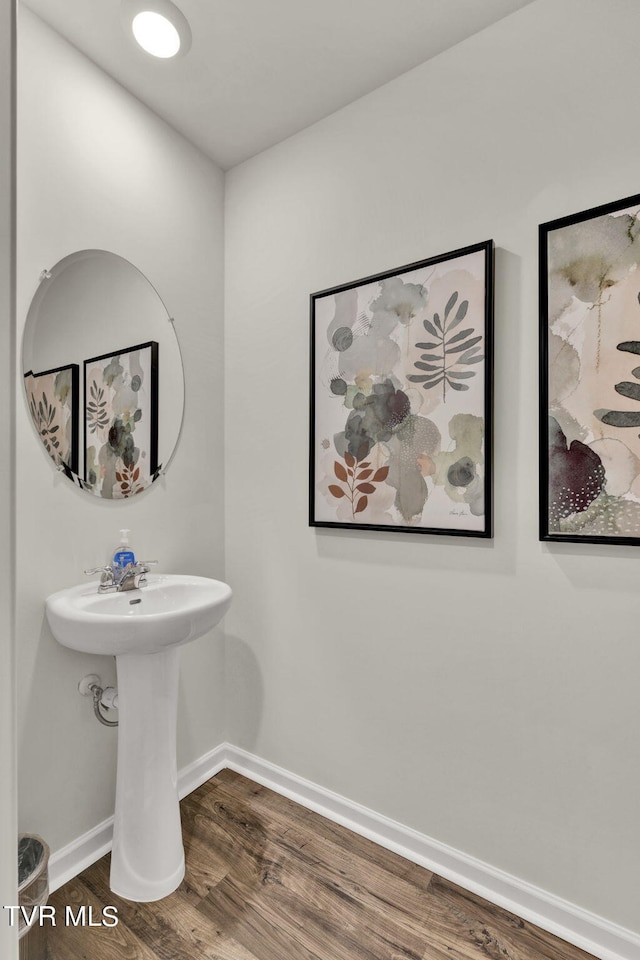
point(269, 880)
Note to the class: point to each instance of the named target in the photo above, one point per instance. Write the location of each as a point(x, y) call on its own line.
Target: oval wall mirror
point(103, 374)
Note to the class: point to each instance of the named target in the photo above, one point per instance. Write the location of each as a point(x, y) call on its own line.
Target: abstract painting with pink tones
point(52, 397)
point(401, 398)
point(590, 375)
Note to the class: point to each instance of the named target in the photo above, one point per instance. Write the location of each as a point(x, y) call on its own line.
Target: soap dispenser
point(123, 555)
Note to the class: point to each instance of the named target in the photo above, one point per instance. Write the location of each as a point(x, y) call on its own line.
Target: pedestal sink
point(144, 629)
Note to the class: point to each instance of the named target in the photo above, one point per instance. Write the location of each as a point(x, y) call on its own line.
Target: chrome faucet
point(117, 579)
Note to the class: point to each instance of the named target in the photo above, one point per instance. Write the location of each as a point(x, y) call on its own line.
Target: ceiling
point(261, 70)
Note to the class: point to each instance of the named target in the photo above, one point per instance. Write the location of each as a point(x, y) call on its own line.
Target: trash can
point(33, 891)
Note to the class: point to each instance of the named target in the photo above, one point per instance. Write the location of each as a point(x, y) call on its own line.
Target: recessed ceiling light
point(157, 26)
point(156, 34)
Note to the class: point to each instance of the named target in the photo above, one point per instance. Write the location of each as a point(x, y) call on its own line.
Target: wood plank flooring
point(269, 880)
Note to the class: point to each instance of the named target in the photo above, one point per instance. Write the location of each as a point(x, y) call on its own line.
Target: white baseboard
point(208, 765)
point(68, 862)
point(559, 917)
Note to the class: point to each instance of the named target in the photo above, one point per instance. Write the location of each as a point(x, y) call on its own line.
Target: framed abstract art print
point(121, 421)
point(590, 375)
point(401, 397)
point(53, 401)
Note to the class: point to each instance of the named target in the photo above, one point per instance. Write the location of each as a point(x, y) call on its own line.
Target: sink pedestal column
point(147, 860)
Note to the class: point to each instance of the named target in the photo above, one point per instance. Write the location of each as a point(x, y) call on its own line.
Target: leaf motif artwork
point(590, 375)
point(97, 413)
point(121, 421)
point(129, 479)
point(52, 399)
point(401, 398)
point(449, 351)
point(355, 484)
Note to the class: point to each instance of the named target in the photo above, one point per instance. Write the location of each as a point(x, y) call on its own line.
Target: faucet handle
point(107, 580)
point(106, 569)
point(146, 563)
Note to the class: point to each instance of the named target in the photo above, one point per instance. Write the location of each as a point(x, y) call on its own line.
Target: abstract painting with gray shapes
point(591, 365)
point(401, 398)
point(121, 421)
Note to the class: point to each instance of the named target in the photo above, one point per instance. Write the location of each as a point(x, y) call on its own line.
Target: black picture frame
point(478, 261)
point(585, 345)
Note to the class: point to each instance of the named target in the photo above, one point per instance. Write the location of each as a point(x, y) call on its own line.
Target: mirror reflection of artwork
point(95, 304)
point(121, 421)
point(52, 398)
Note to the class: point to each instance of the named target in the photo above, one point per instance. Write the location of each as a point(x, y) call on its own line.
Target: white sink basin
point(168, 611)
point(144, 628)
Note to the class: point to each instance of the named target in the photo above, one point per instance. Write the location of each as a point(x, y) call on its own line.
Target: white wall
point(8, 940)
point(97, 170)
point(482, 693)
